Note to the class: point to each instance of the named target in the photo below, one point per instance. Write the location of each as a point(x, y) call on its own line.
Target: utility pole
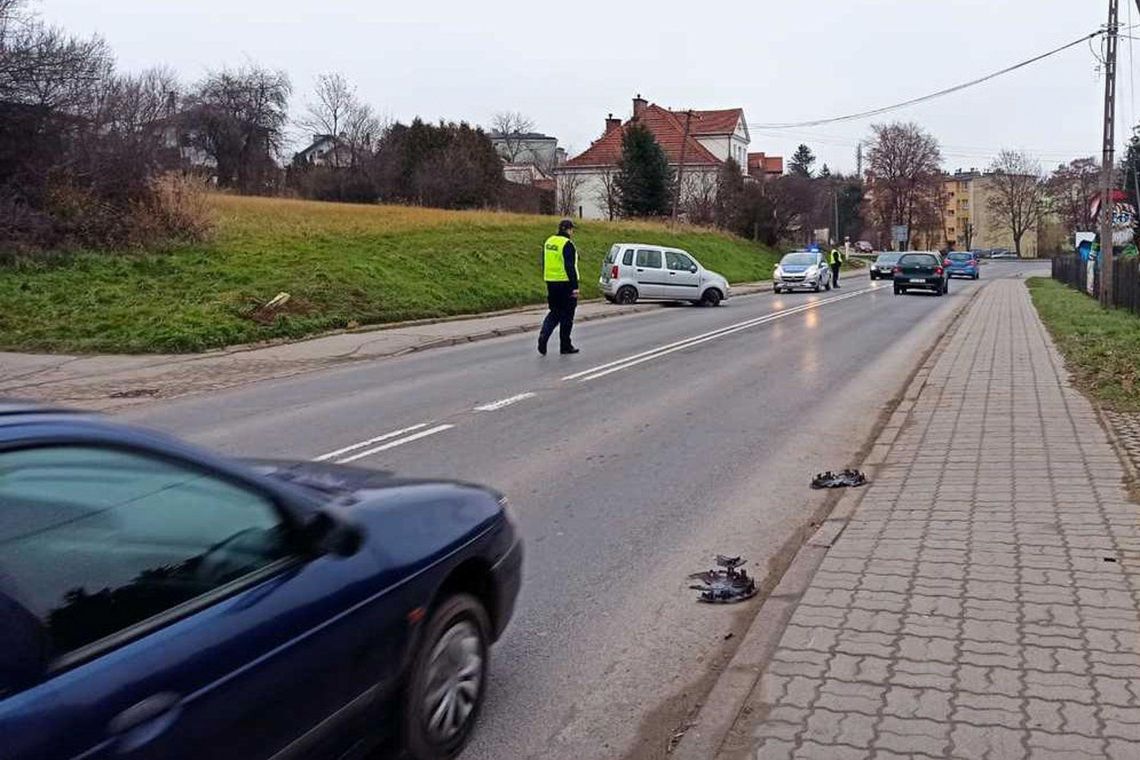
point(859, 155)
point(1106, 262)
point(681, 166)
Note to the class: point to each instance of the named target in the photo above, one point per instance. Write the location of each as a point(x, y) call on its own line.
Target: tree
point(802, 162)
point(1018, 193)
point(1130, 172)
point(511, 128)
point(644, 177)
point(607, 194)
point(337, 111)
point(729, 196)
point(445, 166)
point(905, 168)
point(568, 185)
point(1071, 189)
point(698, 196)
point(238, 118)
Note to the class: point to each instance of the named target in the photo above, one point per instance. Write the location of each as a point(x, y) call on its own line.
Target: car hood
point(430, 517)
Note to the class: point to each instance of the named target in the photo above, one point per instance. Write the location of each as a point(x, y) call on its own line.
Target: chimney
point(639, 105)
point(612, 123)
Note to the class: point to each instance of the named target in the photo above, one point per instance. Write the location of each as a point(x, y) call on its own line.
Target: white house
point(712, 138)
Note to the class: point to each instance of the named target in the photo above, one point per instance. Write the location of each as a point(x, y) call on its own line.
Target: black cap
point(565, 224)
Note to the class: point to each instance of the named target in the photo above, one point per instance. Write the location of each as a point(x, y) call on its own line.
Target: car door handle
point(672, 274)
point(145, 721)
point(640, 270)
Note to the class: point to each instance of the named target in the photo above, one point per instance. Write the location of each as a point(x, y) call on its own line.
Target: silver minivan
point(636, 271)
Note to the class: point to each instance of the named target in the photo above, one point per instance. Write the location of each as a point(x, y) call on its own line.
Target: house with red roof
point(703, 140)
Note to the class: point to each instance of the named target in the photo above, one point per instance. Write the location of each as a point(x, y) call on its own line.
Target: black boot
point(570, 350)
point(542, 345)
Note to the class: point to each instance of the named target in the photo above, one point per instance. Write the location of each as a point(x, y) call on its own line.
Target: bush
point(175, 210)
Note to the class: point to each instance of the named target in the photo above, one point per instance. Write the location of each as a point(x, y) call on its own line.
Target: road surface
point(675, 435)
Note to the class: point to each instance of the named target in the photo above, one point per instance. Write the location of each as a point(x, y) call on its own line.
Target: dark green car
point(920, 271)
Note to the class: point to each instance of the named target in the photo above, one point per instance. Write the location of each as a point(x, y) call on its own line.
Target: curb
point(708, 732)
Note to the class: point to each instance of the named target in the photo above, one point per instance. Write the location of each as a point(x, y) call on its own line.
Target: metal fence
point(1126, 279)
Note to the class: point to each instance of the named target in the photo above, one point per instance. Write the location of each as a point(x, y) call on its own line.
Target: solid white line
point(394, 444)
point(630, 361)
point(369, 442)
point(495, 406)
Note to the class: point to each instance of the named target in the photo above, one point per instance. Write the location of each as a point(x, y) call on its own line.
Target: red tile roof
point(721, 122)
point(666, 126)
point(761, 163)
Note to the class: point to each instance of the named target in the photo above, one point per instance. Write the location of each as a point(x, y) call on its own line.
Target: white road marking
point(631, 361)
point(395, 443)
point(370, 441)
point(494, 406)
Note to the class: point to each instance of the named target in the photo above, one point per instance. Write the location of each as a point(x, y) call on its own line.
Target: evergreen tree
point(729, 194)
point(644, 181)
point(802, 162)
point(1130, 172)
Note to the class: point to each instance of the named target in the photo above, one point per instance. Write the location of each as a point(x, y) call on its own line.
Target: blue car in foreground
point(962, 264)
point(160, 602)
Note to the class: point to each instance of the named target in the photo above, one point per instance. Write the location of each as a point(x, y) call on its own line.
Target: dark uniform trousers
point(562, 306)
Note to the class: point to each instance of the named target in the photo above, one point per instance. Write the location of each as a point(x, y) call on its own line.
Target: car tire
point(627, 295)
point(455, 641)
point(711, 297)
point(776, 289)
point(611, 299)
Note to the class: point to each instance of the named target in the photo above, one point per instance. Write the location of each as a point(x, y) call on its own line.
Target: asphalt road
point(626, 472)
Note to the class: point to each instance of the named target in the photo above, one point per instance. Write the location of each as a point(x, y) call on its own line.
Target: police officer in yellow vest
point(560, 270)
point(835, 258)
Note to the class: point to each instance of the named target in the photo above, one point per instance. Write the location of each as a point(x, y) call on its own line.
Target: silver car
point(800, 270)
point(635, 271)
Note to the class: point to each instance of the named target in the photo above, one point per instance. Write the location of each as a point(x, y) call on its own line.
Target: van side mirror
point(23, 647)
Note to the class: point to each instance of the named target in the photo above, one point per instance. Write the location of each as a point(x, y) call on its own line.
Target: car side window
point(99, 540)
point(678, 262)
point(649, 259)
point(627, 257)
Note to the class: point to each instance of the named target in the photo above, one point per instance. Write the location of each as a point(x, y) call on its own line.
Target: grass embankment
point(343, 265)
point(1101, 347)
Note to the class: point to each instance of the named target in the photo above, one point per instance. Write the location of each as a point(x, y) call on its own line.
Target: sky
point(567, 65)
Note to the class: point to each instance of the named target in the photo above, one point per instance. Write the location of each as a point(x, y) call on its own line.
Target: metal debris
point(830, 479)
point(725, 586)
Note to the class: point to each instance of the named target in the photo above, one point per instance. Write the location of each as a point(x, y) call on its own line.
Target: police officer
point(560, 270)
point(834, 259)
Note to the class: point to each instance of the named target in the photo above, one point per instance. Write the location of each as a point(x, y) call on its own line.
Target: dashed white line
point(494, 406)
point(631, 361)
point(370, 441)
point(395, 443)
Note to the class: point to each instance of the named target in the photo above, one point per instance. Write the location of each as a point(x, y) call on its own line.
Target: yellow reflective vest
point(553, 264)
point(836, 257)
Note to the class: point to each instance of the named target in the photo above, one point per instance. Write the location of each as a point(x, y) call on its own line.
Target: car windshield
point(960, 257)
point(918, 260)
point(887, 258)
point(798, 259)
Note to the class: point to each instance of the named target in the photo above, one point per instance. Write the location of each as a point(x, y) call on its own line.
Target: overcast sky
point(566, 65)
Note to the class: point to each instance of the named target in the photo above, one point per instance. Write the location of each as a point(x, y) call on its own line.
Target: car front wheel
point(447, 681)
point(711, 297)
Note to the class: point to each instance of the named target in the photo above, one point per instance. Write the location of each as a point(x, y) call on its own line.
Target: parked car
point(639, 271)
point(158, 601)
point(864, 247)
point(962, 264)
point(920, 271)
point(800, 270)
point(1001, 253)
point(884, 265)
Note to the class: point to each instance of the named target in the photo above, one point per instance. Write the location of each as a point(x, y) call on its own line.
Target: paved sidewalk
point(982, 601)
point(113, 381)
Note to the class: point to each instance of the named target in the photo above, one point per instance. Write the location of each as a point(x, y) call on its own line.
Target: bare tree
point(511, 128)
point(1071, 188)
point(698, 196)
point(338, 112)
point(238, 118)
point(1018, 193)
point(569, 185)
point(608, 196)
point(904, 165)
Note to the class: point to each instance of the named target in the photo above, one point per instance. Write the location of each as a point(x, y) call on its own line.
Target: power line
point(931, 96)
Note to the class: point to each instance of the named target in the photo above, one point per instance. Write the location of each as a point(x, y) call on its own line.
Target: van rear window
point(627, 259)
point(611, 257)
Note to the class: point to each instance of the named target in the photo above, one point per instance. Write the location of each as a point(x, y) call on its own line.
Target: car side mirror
point(23, 648)
point(693, 269)
point(326, 533)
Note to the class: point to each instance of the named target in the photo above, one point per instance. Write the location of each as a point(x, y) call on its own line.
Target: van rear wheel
point(627, 295)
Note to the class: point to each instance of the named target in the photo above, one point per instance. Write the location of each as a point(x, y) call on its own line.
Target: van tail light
point(938, 270)
point(614, 272)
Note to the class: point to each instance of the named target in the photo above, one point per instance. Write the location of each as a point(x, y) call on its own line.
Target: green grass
point(342, 264)
point(1101, 347)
